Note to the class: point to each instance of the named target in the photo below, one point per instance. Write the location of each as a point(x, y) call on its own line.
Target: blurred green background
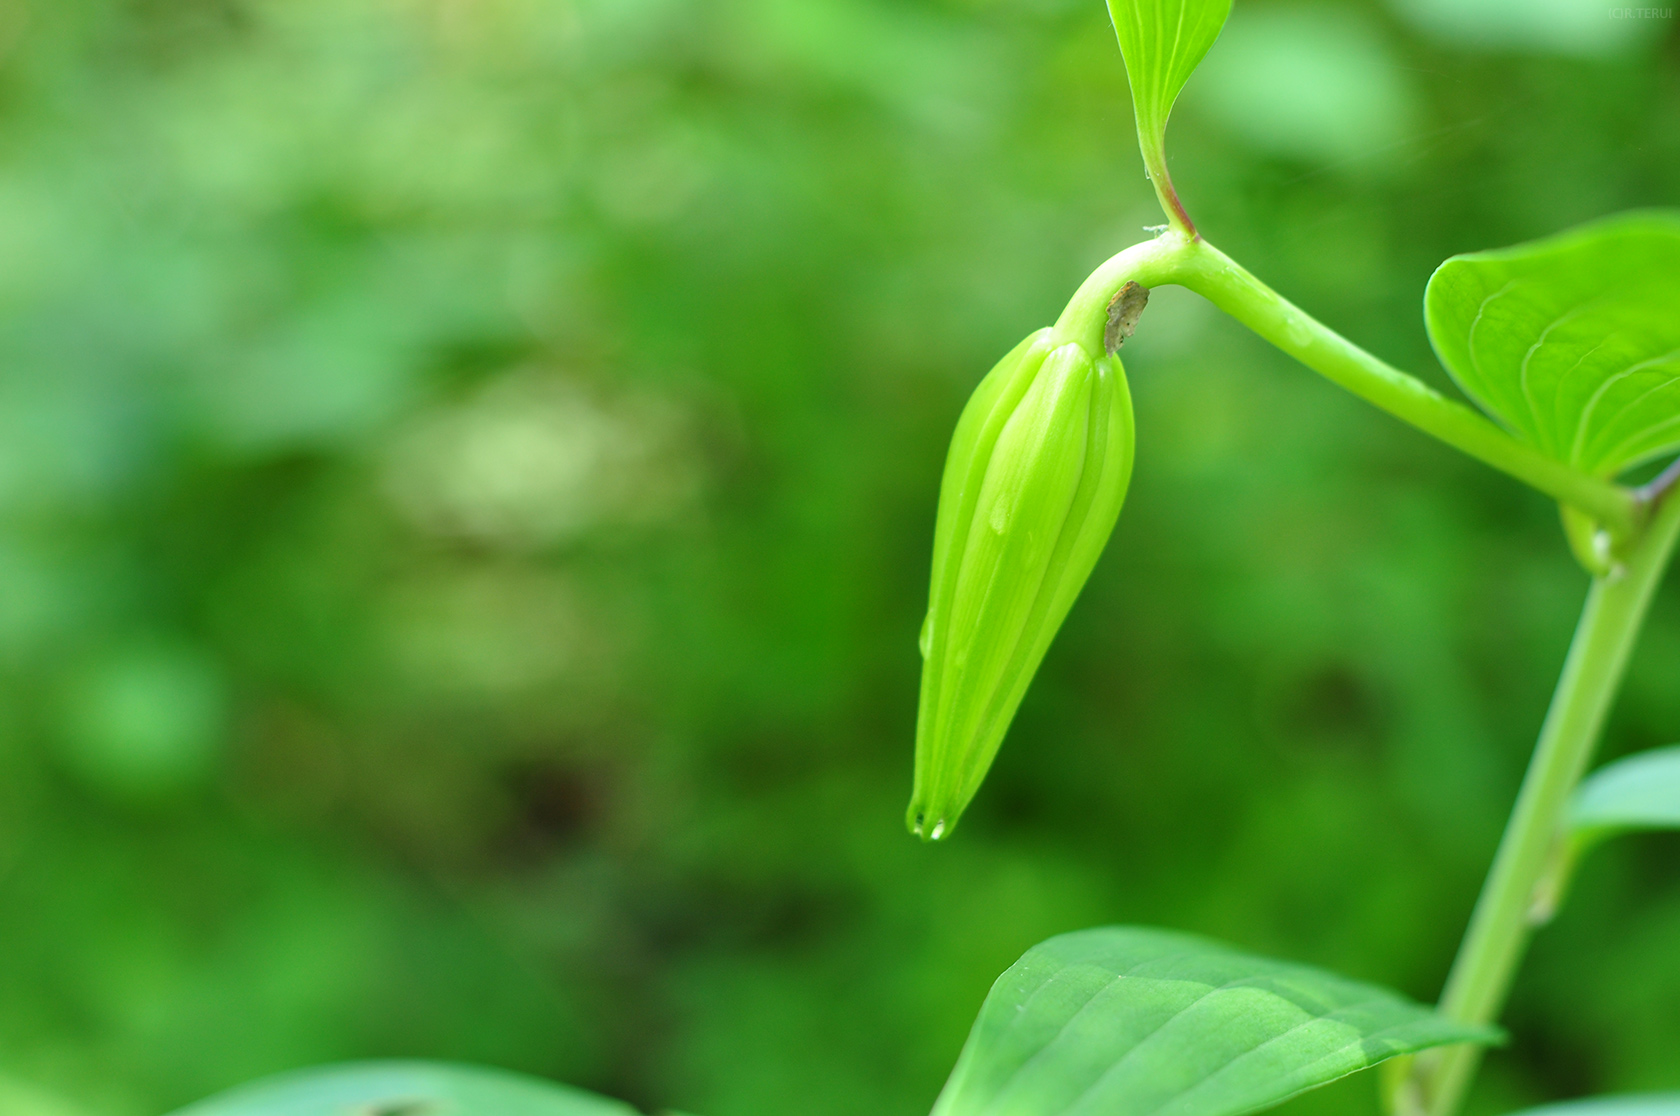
point(466, 484)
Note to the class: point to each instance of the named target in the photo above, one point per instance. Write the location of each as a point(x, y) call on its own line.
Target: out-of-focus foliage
point(467, 473)
point(1641, 791)
point(400, 1087)
point(1650, 1104)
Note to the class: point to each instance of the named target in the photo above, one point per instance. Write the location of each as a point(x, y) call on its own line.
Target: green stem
point(1646, 522)
point(1188, 260)
point(1155, 165)
point(1500, 926)
point(1149, 264)
point(1226, 284)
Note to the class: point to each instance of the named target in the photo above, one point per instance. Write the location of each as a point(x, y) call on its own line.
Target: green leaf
point(1572, 342)
point(1163, 41)
point(405, 1089)
point(1639, 792)
point(1627, 1104)
point(1129, 1021)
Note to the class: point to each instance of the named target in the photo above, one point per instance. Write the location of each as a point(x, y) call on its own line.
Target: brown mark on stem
point(1124, 310)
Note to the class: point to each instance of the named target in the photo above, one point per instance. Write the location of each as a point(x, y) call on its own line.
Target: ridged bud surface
point(1034, 480)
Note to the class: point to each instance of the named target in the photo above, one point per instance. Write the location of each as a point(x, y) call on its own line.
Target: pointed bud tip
point(917, 822)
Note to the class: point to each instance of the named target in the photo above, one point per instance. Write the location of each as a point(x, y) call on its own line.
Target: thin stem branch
point(1155, 165)
point(1499, 927)
point(1219, 279)
point(1190, 261)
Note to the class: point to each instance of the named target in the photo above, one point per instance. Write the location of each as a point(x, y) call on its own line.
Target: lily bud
point(1034, 480)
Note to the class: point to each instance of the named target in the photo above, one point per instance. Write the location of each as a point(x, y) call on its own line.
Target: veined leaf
point(405, 1089)
point(1129, 1021)
point(1639, 792)
point(1163, 41)
point(1626, 1104)
point(1572, 342)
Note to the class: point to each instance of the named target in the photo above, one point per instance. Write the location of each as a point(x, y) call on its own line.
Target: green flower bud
point(1033, 483)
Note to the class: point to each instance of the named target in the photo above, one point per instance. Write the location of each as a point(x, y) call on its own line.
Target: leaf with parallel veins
point(1572, 342)
point(1131, 1021)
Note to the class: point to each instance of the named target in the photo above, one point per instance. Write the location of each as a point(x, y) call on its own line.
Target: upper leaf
point(1573, 342)
point(1129, 1021)
point(1639, 792)
point(405, 1089)
point(1626, 1104)
point(1163, 41)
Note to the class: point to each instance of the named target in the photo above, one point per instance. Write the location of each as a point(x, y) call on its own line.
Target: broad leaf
point(405, 1089)
point(1639, 792)
point(1128, 1021)
point(1572, 342)
point(1626, 1104)
point(1163, 41)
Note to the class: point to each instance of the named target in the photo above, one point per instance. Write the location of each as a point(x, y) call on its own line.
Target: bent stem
point(1148, 264)
point(1225, 283)
point(1500, 925)
point(1190, 261)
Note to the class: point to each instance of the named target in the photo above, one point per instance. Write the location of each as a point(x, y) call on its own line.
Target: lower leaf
point(405, 1089)
point(1130, 1021)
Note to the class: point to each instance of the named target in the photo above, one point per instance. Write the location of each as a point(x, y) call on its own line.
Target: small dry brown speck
point(1124, 310)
